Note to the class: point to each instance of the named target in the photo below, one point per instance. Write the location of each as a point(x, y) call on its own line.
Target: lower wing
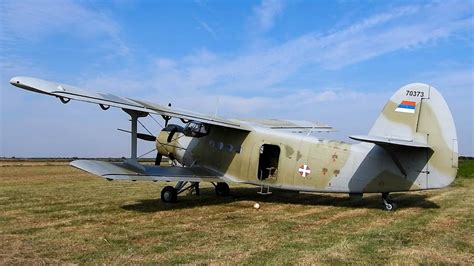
point(139, 172)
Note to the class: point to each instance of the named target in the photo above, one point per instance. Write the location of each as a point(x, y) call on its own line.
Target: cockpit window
point(196, 129)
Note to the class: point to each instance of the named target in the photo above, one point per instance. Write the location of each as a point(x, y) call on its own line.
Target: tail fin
point(418, 113)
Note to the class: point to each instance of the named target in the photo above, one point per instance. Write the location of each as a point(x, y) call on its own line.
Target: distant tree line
point(67, 159)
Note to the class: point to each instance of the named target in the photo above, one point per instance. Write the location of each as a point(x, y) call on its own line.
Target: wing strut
point(134, 115)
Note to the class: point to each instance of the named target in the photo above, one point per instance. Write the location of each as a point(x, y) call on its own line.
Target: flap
point(389, 141)
point(140, 172)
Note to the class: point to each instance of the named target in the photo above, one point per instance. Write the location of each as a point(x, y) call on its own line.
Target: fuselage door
point(268, 162)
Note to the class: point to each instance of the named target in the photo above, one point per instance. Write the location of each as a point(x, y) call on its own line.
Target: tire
point(169, 194)
point(394, 206)
point(390, 207)
point(222, 189)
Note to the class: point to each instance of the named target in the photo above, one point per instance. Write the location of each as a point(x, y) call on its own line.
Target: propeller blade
point(171, 134)
point(146, 137)
point(158, 158)
point(141, 136)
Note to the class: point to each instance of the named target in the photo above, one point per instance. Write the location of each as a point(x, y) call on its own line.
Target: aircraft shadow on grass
point(208, 198)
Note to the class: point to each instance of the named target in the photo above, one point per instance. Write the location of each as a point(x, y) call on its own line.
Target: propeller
point(149, 137)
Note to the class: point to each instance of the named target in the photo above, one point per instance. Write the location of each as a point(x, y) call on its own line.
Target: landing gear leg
point(196, 188)
point(193, 189)
point(389, 206)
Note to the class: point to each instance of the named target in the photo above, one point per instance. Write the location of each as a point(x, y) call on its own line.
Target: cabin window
point(229, 148)
point(196, 129)
point(268, 161)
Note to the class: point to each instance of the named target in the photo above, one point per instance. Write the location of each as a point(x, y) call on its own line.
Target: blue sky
point(336, 62)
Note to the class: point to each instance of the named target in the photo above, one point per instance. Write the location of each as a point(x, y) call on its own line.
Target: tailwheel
point(169, 194)
point(389, 206)
point(222, 189)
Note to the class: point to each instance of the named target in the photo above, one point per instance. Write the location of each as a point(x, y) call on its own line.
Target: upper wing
point(66, 92)
point(293, 125)
point(139, 172)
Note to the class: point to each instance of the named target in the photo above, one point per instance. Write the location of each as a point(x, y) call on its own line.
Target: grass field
point(52, 213)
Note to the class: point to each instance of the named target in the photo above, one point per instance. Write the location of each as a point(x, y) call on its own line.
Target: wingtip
point(15, 80)
point(76, 163)
point(20, 81)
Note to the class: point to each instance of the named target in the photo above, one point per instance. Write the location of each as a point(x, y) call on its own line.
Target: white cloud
point(402, 28)
point(205, 26)
point(32, 20)
point(281, 104)
point(453, 79)
point(266, 13)
point(206, 73)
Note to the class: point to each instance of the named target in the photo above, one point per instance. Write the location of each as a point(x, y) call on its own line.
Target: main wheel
point(222, 189)
point(169, 194)
point(390, 207)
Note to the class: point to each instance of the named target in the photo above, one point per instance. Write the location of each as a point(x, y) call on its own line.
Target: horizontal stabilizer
point(290, 124)
point(140, 172)
point(389, 141)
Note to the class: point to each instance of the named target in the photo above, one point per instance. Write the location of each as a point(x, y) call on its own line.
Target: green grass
point(466, 169)
point(57, 214)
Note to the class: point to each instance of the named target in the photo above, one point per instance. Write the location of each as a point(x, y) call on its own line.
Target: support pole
point(133, 153)
point(134, 115)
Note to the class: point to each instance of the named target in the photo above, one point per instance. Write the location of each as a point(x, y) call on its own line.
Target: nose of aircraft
point(166, 140)
point(162, 144)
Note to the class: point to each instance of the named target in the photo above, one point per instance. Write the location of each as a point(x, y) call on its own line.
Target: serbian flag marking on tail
point(406, 107)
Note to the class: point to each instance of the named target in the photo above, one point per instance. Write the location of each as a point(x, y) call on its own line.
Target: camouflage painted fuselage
point(307, 163)
point(333, 166)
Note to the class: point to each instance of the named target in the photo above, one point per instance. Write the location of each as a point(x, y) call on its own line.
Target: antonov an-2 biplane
point(411, 146)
